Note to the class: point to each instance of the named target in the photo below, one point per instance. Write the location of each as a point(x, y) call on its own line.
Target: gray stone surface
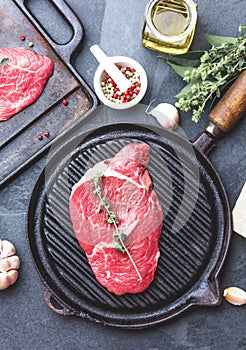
point(25, 320)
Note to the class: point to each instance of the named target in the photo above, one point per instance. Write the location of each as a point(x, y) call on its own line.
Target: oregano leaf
point(180, 70)
point(216, 40)
point(4, 61)
point(119, 247)
point(186, 90)
point(189, 59)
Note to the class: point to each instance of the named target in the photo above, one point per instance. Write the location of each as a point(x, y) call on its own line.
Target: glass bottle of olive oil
point(169, 25)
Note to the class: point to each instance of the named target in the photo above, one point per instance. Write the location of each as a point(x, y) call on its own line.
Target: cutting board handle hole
point(55, 24)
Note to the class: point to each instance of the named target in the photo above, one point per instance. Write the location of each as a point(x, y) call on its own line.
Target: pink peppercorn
point(112, 92)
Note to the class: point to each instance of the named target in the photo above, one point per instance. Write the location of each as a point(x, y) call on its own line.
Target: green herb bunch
point(208, 73)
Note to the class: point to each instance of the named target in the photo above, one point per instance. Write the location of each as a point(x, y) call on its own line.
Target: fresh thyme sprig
point(208, 73)
point(218, 66)
point(97, 189)
point(119, 236)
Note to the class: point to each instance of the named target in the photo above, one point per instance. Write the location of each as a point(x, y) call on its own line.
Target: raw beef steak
point(22, 79)
point(126, 184)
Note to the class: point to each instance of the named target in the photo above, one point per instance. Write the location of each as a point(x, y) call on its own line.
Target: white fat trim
point(130, 228)
point(102, 167)
point(102, 245)
point(110, 172)
point(90, 173)
point(97, 169)
point(157, 256)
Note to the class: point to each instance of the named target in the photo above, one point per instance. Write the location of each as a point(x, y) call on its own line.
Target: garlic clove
point(6, 249)
point(9, 263)
point(8, 278)
point(235, 296)
point(166, 114)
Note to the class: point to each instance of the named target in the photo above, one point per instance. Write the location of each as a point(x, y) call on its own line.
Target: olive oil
point(171, 20)
point(169, 26)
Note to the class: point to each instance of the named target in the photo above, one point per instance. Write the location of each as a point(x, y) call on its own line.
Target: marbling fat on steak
point(22, 79)
point(127, 186)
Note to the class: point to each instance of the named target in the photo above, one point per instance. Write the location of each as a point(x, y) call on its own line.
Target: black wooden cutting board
point(19, 143)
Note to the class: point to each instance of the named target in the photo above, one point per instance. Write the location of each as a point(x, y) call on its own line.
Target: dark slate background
point(26, 322)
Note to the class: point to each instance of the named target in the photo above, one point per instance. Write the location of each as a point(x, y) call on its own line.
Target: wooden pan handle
point(232, 106)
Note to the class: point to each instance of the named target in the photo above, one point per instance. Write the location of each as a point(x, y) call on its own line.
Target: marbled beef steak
point(22, 79)
point(126, 184)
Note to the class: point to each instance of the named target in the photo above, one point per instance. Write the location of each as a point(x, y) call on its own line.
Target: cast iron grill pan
point(190, 256)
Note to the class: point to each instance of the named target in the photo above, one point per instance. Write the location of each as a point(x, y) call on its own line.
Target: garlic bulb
point(9, 264)
point(235, 296)
point(166, 114)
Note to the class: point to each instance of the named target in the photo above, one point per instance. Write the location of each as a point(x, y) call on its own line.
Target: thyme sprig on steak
point(119, 236)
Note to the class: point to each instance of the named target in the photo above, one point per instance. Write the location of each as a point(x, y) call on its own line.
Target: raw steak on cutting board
point(22, 79)
point(126, 184)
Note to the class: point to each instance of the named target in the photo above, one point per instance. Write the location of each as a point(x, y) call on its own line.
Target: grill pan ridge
point(191, 257)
